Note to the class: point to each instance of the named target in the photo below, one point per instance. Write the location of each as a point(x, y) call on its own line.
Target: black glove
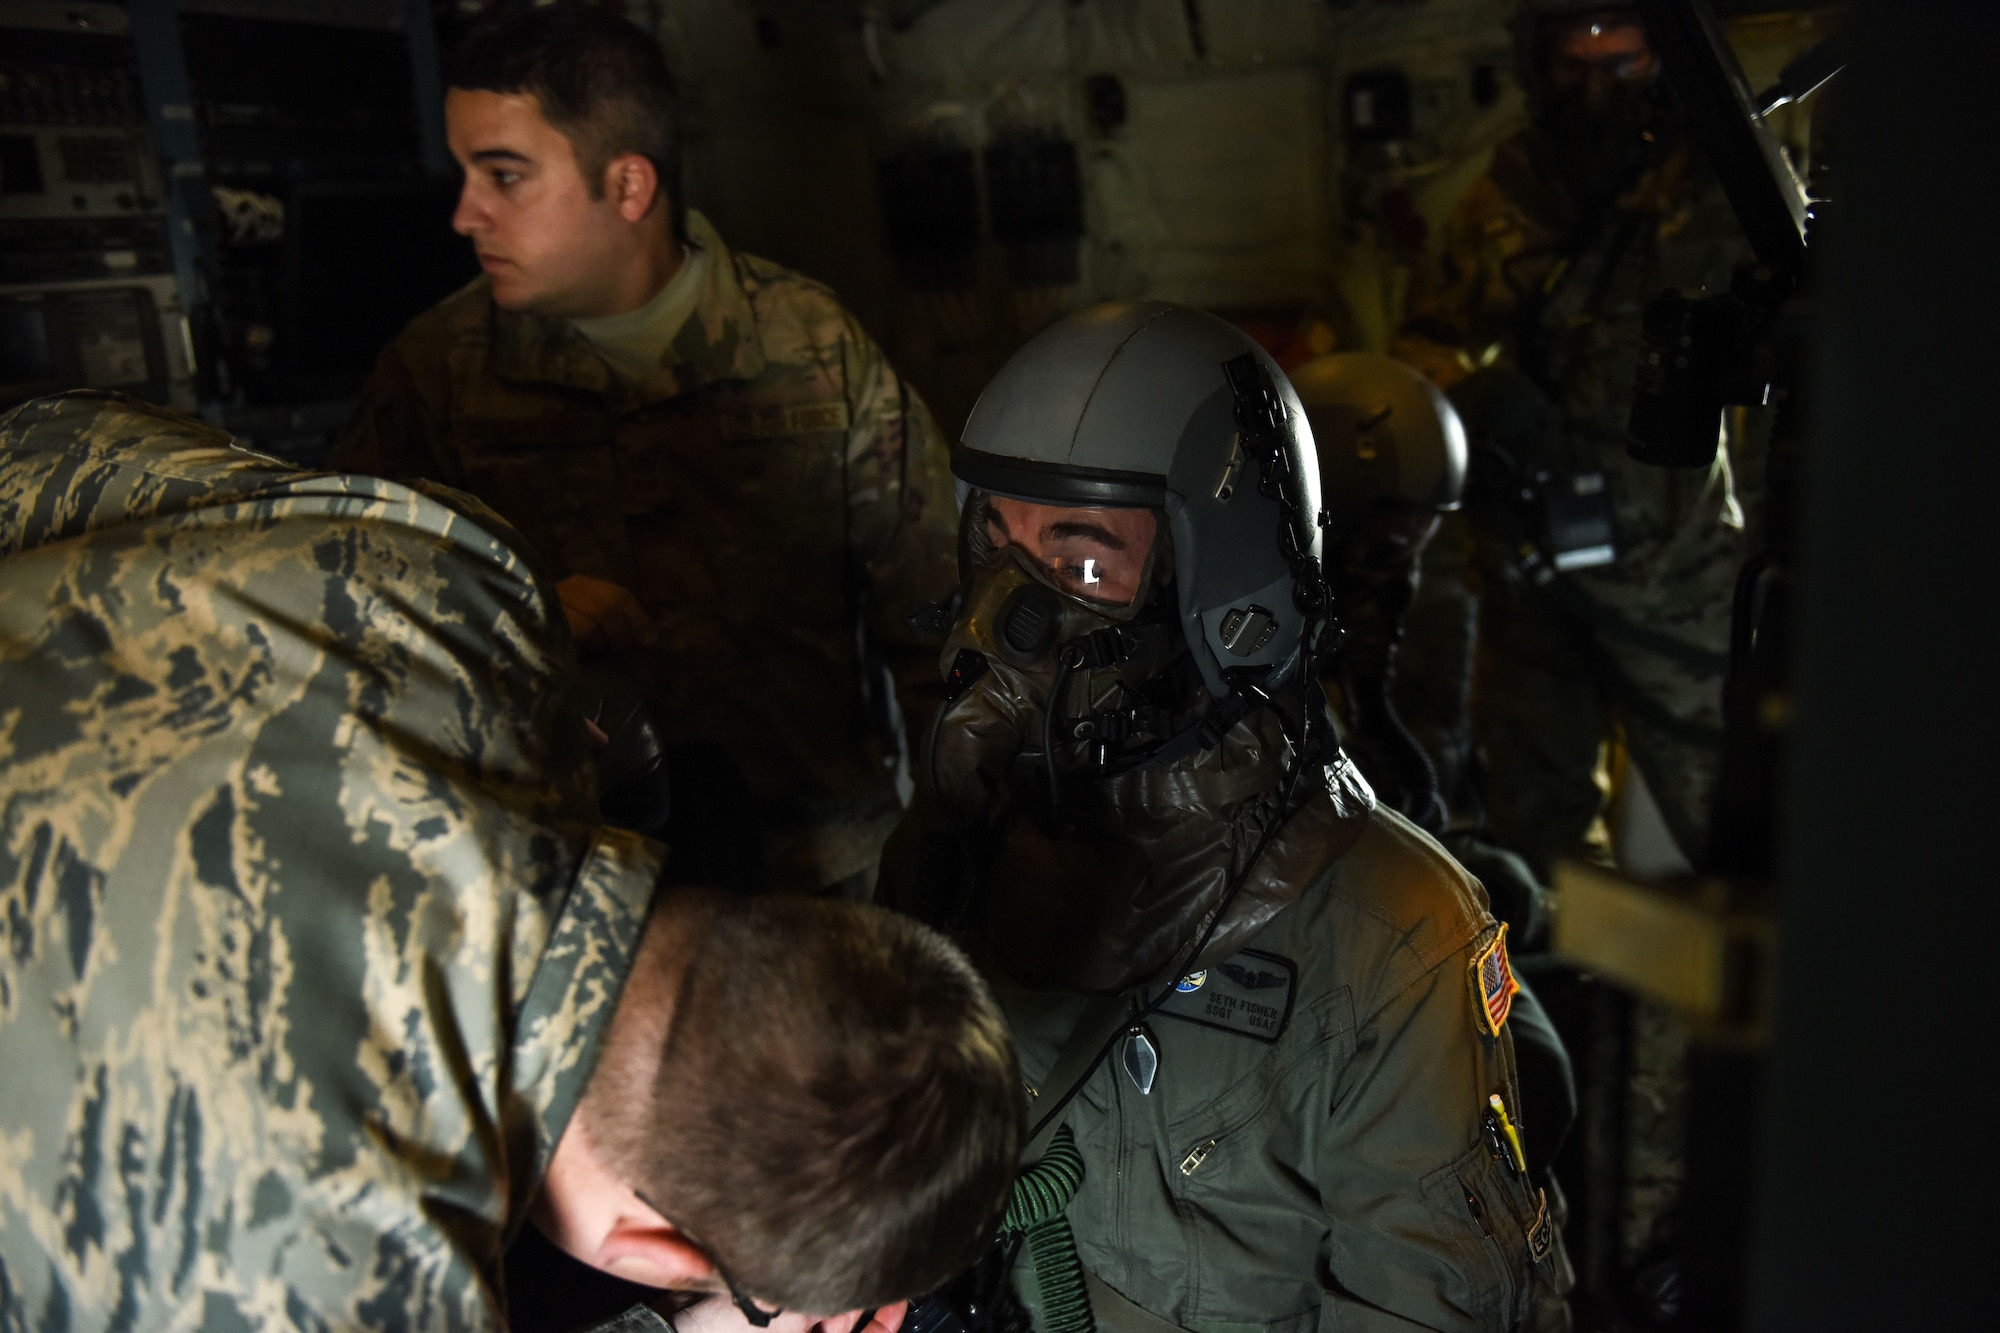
point(633, 790)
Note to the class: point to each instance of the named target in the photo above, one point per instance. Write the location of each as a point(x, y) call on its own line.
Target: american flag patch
point(1493, 984)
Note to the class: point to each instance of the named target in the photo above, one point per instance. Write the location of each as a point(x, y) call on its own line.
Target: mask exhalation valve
point(1029, 622)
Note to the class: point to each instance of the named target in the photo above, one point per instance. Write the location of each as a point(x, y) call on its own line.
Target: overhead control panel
point(88, 296)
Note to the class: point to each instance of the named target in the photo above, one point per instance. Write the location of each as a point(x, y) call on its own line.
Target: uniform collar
point(718, 342)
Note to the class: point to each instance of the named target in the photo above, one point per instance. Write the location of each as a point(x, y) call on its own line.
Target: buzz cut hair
point(834, 1113)
point(599, 79)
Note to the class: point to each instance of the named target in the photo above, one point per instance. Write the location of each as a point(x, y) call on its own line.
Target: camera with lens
point(1560, 519)
point(1699, 355)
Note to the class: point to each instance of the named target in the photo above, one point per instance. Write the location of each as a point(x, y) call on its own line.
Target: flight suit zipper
point(1196, 1156)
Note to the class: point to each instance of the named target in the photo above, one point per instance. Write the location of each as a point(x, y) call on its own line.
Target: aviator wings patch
point(1249, 994)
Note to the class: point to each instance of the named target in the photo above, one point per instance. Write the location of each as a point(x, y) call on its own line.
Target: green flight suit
point(773, 487)
point(1313, 1153)
point(308, 931)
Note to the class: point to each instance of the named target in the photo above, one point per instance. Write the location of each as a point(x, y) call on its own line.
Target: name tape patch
point(1249, 995)
point(772, 423)
point(1493, 984)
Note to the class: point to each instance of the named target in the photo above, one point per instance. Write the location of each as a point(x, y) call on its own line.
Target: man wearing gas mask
point(1392, 460)
point(1265, 1017)
point(1604, 583)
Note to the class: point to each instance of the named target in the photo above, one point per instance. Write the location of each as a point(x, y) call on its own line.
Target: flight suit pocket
point(1306, 1321)
point(1479, 1207)
point(1244, 1208)
point(1315, 1039)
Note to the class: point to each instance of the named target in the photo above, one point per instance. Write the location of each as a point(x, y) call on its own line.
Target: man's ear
point(634, 184)
point(654, 1254)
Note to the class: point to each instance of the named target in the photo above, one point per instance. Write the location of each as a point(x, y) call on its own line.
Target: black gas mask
point(1102, 801)
point(1606, 119)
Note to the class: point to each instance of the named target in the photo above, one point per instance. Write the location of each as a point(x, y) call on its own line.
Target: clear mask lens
point(1095, 554)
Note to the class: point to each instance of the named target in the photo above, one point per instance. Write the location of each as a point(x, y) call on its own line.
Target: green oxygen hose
point(1041, 1193)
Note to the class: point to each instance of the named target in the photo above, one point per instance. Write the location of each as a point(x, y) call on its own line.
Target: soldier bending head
point(810, 1096)
point(310, 923)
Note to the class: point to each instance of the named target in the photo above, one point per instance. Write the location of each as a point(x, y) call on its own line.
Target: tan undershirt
point(633, 343)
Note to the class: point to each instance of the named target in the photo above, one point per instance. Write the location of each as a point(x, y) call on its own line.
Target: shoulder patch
point(1493, 984)
point(1249, 994)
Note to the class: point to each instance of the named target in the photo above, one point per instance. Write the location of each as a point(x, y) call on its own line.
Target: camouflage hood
point(307, 930)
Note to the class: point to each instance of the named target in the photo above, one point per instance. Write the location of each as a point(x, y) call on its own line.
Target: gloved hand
point(633, 788)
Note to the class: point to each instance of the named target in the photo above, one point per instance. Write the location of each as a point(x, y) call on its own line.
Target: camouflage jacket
point(1507, 249)
point(307, 930)
point(771, 485)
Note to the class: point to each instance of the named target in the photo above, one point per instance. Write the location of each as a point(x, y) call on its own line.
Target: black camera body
point(1698, 355)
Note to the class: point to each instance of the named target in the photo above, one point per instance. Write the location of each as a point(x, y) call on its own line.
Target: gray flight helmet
point(1127, 405)
point(1383, 432)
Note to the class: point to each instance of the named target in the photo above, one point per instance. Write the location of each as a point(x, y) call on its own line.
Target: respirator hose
point(1421, 799)
point(1041, 1194)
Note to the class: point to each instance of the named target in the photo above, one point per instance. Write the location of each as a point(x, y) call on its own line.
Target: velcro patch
point(1493, 984)
point(1249, 994)
point(1542, 1235)
point(773, 423)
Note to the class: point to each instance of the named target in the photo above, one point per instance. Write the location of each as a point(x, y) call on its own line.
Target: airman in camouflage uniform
point(310, 929)
point(1547, 265)
point(732, 486)
point(774, 495)
point(1644, 639)
point(318, 970)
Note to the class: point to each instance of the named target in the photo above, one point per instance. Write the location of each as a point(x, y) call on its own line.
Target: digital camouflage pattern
point(307, 930)
point(1645, 639)
point(771, 486)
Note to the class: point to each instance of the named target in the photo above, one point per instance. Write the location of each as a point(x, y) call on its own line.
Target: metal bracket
point(1706, 949)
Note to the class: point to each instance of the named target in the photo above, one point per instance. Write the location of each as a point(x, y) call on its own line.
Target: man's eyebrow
point(1075, 528)
point(502, 155)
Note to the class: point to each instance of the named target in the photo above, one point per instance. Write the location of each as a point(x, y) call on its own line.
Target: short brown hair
point(600, 80)
point(835, 1112)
